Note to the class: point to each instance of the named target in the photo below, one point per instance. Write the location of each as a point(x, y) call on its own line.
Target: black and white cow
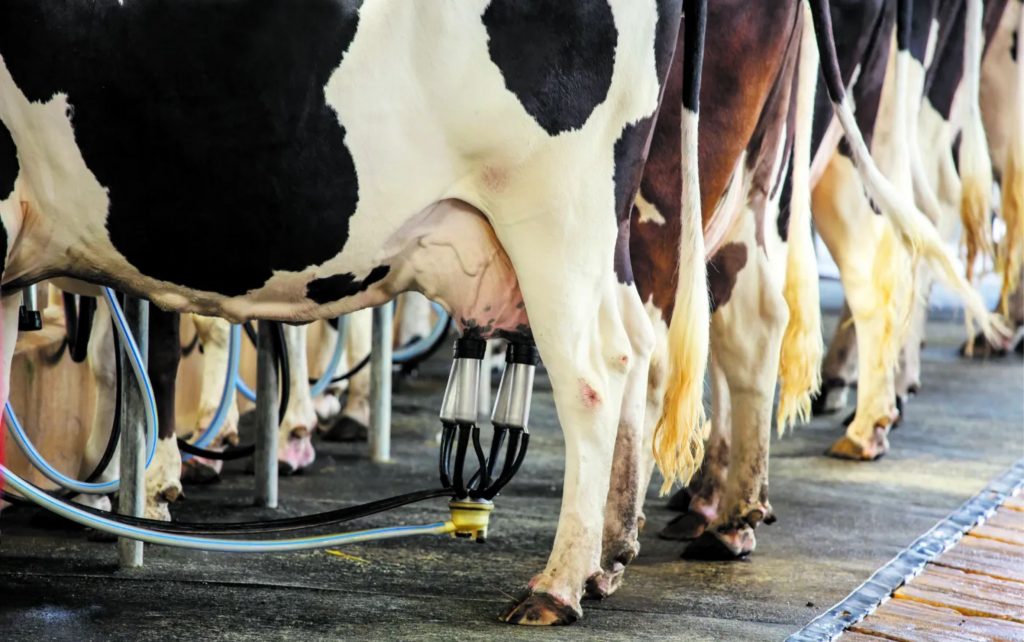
point(938, 105)
point(295, 161)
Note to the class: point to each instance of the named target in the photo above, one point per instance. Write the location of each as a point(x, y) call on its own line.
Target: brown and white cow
point(766, 323)
point(763, 286)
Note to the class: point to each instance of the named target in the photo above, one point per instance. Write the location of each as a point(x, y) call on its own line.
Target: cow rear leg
point(583, 343)
point(163, 477)
point(629, 475)
point(413, 318)
point(746, 338)
point(9, 335)
point(839, 368)
point(353, 423)
point(704, 493)
point(981, 348)
point(875, 279)
point(908, 375)
point(295, 449)
point(214, 336)
point(101, 360)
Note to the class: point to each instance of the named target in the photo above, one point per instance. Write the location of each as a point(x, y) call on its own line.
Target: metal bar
point(380, 383)
point(132, 492)
point(912, 560)
point(265, 460)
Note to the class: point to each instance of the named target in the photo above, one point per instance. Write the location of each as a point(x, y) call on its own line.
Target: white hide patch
point(647, 211)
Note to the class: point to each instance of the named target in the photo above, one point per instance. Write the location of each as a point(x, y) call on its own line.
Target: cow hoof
point(201, 471)
point(294, 455)
point(715, 545)
point(608, 580)
point(158, 510)
point(347, 429)
point(171, 494)
point(327, 407)
point(898, 419)
point(980, 348)
point(540, 609)
point(99, 502)
point(601, 585)
point(685, 527)
point(846, 448)
point(680, 500)
point(831, 399)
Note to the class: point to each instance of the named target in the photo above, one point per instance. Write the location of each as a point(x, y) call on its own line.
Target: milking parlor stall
point(409, 319)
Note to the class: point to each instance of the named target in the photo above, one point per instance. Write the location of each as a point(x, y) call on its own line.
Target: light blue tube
point(227, 396)
point(139, 369)
point(318, 388)
point(400, 355)
point(414, 350)
point(134, 358)
point(243, 388)
point(212, 543)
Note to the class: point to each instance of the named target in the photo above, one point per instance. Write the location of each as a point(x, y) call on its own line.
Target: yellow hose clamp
point(470, 518)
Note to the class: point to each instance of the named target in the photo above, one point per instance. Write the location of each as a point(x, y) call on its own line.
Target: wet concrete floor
point(838, 522)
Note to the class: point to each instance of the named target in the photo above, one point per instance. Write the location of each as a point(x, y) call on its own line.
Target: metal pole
point(380, 383)
point(132, 493)
point(265, 460)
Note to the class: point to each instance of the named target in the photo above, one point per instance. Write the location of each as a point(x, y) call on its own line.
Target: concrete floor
point(838, 521)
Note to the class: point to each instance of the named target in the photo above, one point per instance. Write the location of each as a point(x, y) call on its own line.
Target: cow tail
point(975, 164)
point(1011, 250)
point(915, 231)
point(802, 347)
point(678, 437)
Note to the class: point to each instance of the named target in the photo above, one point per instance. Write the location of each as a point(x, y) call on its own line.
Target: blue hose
point(321, 384)
point(400, 355)
point(416, 348)
point(69, 511)
point(245, 390)
point(227, 396)
point(138, 368)
point(210, 432)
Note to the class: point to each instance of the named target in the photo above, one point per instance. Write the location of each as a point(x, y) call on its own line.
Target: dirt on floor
point(838, 522)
